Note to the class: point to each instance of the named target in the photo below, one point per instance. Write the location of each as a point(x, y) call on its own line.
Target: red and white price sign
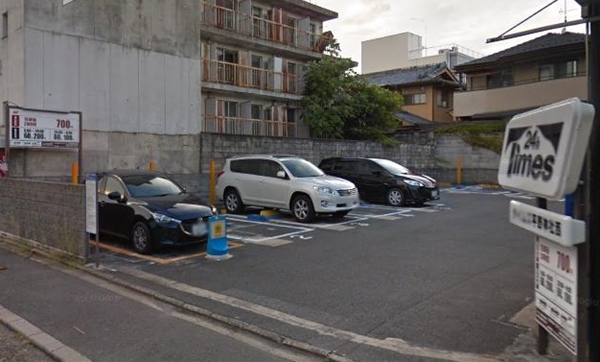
point(556, 290)
point(39, 129)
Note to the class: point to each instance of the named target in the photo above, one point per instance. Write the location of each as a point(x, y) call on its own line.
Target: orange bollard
point(74, 172)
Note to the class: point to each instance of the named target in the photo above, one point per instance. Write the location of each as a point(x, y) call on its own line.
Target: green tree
point(339, 103)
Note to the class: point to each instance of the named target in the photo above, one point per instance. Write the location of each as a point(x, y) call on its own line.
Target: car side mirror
point(281, 174)
point(116, 196)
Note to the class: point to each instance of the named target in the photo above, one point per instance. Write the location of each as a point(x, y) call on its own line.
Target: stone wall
point(52, 214)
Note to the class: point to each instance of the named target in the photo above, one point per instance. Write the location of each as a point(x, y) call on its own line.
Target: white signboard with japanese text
point(91, 204)
point(41, 129)
point(544, 149)
point(556, 291)
point(559, 228)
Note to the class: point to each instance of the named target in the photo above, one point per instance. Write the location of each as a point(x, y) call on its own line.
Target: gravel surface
point(16, 348)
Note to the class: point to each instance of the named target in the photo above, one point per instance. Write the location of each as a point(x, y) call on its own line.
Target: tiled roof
point(413, 75)
point(548, 41)
point(412, 118)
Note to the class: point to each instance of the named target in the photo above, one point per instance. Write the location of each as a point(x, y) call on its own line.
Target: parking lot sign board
point(544, 149)
point(43, 129)
point(550, 225)
point(556, 291)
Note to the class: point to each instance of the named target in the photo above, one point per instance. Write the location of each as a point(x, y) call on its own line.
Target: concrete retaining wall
point(423, 152)
point(52, 214)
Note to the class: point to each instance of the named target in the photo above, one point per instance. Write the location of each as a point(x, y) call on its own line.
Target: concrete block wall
point(423, 152)
point(219, 147)
point(49, 213)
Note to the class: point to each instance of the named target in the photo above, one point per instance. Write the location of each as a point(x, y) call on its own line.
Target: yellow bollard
point(74, 172)
point(211, 182)
point(151, 166)
point(458, 169)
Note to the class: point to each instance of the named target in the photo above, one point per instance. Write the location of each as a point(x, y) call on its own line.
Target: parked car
point(150, 209)
point(383, 180)
point(284, 182)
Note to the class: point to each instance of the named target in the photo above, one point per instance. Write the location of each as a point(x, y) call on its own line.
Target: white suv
point(284, 182)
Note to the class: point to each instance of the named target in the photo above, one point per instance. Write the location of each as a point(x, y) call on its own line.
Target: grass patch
point(484, 134)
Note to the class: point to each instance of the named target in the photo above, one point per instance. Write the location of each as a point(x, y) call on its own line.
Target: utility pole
point(593, 222)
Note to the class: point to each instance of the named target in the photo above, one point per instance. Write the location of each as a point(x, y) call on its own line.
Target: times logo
point(533, 151)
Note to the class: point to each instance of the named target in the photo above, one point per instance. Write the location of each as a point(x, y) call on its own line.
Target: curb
point(235, 323)
point(40, 339)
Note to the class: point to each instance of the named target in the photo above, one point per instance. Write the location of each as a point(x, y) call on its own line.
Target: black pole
point(543, 337)
point(594, 190)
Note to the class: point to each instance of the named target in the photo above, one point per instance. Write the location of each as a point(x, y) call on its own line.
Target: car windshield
point(150, 186)
point(302, 168)
point(392, 167)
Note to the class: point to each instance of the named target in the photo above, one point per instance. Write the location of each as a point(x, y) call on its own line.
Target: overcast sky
point(467, 23)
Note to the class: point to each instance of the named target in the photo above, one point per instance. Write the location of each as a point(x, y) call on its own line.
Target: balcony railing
point(250, 77)
point(519, 82)
point(252, 127)
point(247, 24)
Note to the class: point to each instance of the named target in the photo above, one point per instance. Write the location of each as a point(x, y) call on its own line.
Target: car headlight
point(413, 183)
point(164, 219)
point(325, 190)
point(214, 210)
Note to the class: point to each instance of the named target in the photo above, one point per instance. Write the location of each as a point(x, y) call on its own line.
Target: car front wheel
point(141, 239)
point(395, 197)
point(302, 209)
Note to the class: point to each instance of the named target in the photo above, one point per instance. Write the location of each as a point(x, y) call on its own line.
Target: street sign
point(544, 149)
point(556, 291)
point(41, 129)
point(559, 228)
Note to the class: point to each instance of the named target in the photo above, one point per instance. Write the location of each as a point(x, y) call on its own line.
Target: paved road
point(438, 282)
point(105, 323)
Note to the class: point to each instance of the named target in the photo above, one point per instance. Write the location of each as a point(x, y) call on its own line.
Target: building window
point(259, 25)
point(291, 115)
point(501, 79)
point(227, 64)
point(290, 31)
point(417, 98)
point(4, 25)
point(256, 111)
point(442, 98)
point(564, 69)
point(225, 13)
point(230, 109)
point(313, 33)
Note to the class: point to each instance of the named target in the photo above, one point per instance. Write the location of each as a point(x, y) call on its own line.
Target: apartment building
point(541, 71)
point(253, 54)
point(405, 50)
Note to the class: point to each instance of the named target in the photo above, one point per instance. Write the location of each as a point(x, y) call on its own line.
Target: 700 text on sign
point(40, 129)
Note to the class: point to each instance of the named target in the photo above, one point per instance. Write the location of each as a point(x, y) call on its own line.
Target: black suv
point(383, 180)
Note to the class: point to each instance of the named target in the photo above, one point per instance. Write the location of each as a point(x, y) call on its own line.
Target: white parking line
point(339, 226)
point(275, 240)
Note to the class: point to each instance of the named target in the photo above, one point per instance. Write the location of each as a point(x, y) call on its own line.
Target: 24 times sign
point(544, 149)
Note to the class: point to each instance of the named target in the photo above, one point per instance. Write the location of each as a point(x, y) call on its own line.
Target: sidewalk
point(15, 348)
point(110, 325)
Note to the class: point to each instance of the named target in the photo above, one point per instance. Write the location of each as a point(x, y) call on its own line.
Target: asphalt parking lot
point(419, 282)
